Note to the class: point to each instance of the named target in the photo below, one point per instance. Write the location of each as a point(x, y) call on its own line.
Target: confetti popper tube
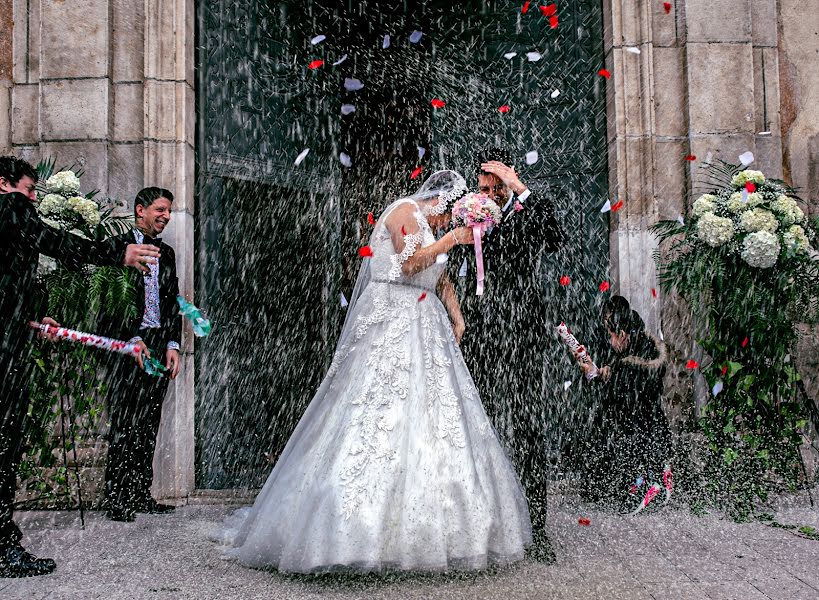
point(87, 339)
point(577, 349)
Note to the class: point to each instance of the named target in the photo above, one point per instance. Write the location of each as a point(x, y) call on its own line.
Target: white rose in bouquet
point(64, 182)
point(795, 239)
point(740, 179)
point(788, 210)
point(761, 249)
point(758, 219)
point(704, 204)
point(714, 230)
point(51, 204)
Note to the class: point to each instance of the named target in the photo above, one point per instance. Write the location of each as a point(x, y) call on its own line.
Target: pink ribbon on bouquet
point(478, 231)
point(87, 339)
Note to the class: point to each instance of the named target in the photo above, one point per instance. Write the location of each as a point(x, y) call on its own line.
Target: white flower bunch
point(761, 249)
point(735, 203)
point(64, 182)
point(743, 177)
point(715, 231)
point(704, 204)
point(758, 219)
point(51, 204)
point(86, 208)
point(788, 210)
point(795, 239)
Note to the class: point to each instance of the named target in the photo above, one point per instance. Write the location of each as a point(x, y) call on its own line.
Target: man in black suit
point(23, 237)
point(136, 397)
point(506, 329)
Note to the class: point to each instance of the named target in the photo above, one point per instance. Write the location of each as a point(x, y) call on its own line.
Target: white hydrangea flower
point(788, 210)
point(714, 230)
point(736, 205)
point(743, 177)
point(51, 204)
point(761, 249)
point(64, 182)
point(704, 204)
point(795, 239)
point(75, 202)
point(758, 219)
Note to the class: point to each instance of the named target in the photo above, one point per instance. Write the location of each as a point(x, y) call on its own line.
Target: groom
point(506, 329)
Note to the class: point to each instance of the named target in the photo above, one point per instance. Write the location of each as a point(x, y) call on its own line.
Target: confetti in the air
point(345, 159)
point(667, 6)
point(365, 252)
point(566, 385)
point(692, 364)
point(564, 280)
point(744, 195)
point(532, 157)
point(416, 172)
point(606, 207)
point(746, 158)
point(525, 8)
point(680, 220)
point(416, 36)
point(302, 155)
point(347, 109)
point(318, 39)
point(617, 206)
point(344, 302)
point(654, 292)
point(386, 43)
point(340, 60)
point(745, 342)
point(750, 186)
point(370, 218)
point(764, 133)
point(724, 370)
point(553, 22)
point(504, 109)
point(717, 388)
point(691, 158)
point(510, 55)
point(548, 10)
point(555, 93)
point(423, 296)
point(441, 258)
point(605, 286)
point(584, 521)
point(633, 49)
point(534, 56)
point(437, 103)
point(353, 85)
point(604, 73)
point(315, 64)
point(464, 268)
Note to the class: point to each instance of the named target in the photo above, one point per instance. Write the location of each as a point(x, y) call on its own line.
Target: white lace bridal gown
point(394, 465)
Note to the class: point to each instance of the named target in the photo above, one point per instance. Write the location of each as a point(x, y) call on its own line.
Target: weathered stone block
point(5, 117)
point(74, 109)
point(92, 157)
point(20, 41)
point(766, 89)
point(764, 19)
point(670, 93)
point(169, 37)
point(171, 165)
point(768, 155)
point(162, 110)
point(721, 93)
point(128, 40)
point(25, 114)
point(125, 171)
point(74, 38)
point(670, 177)
point(726, 147)
point(710, 21)
point(129, 111)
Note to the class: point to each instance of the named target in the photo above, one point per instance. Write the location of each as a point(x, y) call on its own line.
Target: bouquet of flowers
point(61, 206)
point(479, 212)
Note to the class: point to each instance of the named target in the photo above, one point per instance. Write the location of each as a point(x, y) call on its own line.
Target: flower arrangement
point(61, 206)
point(479, 212)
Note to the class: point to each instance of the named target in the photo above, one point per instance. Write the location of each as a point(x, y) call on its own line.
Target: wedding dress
point(394, 465)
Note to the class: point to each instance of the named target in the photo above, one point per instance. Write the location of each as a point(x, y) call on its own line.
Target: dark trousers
point(135, 405)
point(15, 374)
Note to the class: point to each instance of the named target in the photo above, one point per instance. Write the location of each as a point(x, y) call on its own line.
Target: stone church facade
point(110, 84)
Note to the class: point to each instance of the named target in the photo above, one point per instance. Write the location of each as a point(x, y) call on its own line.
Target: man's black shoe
point(16, 562)
point(121, 514)
point(152, 507)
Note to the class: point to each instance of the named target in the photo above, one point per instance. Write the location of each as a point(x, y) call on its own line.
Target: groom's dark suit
point(23, 237)
point(506, 333)
point(135, 399)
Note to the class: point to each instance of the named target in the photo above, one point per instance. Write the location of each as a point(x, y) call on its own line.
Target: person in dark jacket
point(135, 399)
point(630, 441)
point(23, 237)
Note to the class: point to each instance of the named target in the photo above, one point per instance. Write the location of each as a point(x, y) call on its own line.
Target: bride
point(394, 465)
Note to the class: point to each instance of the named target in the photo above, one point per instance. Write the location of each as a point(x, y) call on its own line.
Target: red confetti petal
point(724, 370)
point(416, 172)
point(403, 230)
point(745, 342)
point(553, 22)
point(548, 10)
point(525, 8)
point(315, 64)
point(617, 206)
point(370, 218)
point(604, 287)
point(584, 521)
point(690, 158)
point(564, 281)
point(654, 292)
point(604, 73)
point(422, 296)
point(505, 109)
point(365, 252)
point(667, 7)
point(436, 103)
point(692, 364)
point(751, 187)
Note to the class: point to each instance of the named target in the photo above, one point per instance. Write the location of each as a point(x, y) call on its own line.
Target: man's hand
point(172, 362)
point(458, 328)
point(53, 323)
point(506, 174)
point(143, 351)
point(140, 256)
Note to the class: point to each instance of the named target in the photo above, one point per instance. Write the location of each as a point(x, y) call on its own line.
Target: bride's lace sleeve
point(406, 226)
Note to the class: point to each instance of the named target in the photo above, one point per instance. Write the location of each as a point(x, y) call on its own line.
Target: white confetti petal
point(555, 94)
point(566, 385)
point(534, 56)
point(353, 85)
point(709, 157)
point(347, 109)
point(717, 388)
point(340, 60)
point(300, 158)
point(464, 267)
point(510, 55)
point(416, 36)
point(345, 159)
point(421, 152)
point(744, 195)
point(746, 159)
point(633, 49)
point(318, 39)
point(386, 43)
point(764, 133)
point(606, 207)
point(662, 337)
point(532, 157)
point(681, 220)
point(441, 259)
point(344, 302)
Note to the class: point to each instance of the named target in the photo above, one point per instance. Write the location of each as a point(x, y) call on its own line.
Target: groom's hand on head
point(506, 174)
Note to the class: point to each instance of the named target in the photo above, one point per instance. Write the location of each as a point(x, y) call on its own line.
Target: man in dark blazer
point(135, 400)
point(23, 237)
point(506, 329)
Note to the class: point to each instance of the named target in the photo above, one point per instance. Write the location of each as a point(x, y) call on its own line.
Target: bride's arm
point(446, 292)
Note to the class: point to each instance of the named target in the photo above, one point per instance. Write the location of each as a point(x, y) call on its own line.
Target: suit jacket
point(170, 321)
point(23, 236)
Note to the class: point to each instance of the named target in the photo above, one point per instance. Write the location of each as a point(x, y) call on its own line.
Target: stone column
point(6, 63)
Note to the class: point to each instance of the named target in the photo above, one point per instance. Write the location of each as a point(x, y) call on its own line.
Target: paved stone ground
point(666, 554)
